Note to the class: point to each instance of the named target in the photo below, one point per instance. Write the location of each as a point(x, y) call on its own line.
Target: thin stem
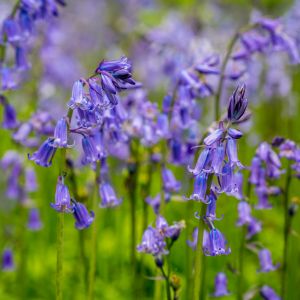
point(92, 268)
point(168, 286)
point(224, 65)
point(287, 225)
point(240, 281)
point(81, 233)
point(222, 74)
point(132, 184)
point(198, 276)
point(59, 261)
point(189, 230)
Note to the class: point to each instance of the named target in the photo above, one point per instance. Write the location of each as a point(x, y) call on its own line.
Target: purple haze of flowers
point(265, 260)
point(169, 181)
point(44, 155)
point(34, 221)
point(220, 285)
point(268, 293)
point(108, 196)
point(83, 219)
point(62, 197)
point(8, 260)
point(214, 243)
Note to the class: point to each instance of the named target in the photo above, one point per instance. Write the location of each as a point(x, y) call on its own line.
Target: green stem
point(224, 65)
point(240, 281)
point(133, 171)
point(287, 225)
point(222, 74)
point(60, 236)
point(198, 276)
point(168, 286)
point(189, 230)
point(92, 268)
point(59, 261)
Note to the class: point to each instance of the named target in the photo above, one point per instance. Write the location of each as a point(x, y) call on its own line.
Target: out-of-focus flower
point(265, 260)
point(108, 196)
point(220, 285)
point(34, 221)
point(268, 293)
point(8, 260)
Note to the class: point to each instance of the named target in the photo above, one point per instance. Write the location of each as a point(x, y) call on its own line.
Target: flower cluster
point(95, 104)
point(159, 239)
point(219, 158)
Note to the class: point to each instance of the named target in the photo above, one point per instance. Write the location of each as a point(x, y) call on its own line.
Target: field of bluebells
point(149, 149)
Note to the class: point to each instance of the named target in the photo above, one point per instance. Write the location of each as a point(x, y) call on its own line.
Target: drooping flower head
point(7, 260)
point(83, 219)
point(265, 260)
point(62, 197)
point(44, 155)
point(34, 221)
point(221, 285)
point(108, 196)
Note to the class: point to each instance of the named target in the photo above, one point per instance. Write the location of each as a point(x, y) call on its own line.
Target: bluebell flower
point(30, 180)
point(231, 149)
point(154, 202)
point(152, 243)
point(214, 243)
point(263, 198)
point(209, 65)
point(237, 104)
point(214, 137)
point(253, 228)
point(203, 162)
point(220, 285)
point(268, 293)
point(96, 94)
point(108, 196)
point(234, 133)
point(34, 221)
point(22, 63)
point(9, 115)
point(210, 214)
point(83, 219)
point(44, 155)
point(91, 152)
point(244, 212)
point(12, 31)
point(265, 260)
point(200, 186)
point(170, 183)
point(62, 197)
point(8, 260)
point(255, 170)
point(61, 134)
point(218, 159)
